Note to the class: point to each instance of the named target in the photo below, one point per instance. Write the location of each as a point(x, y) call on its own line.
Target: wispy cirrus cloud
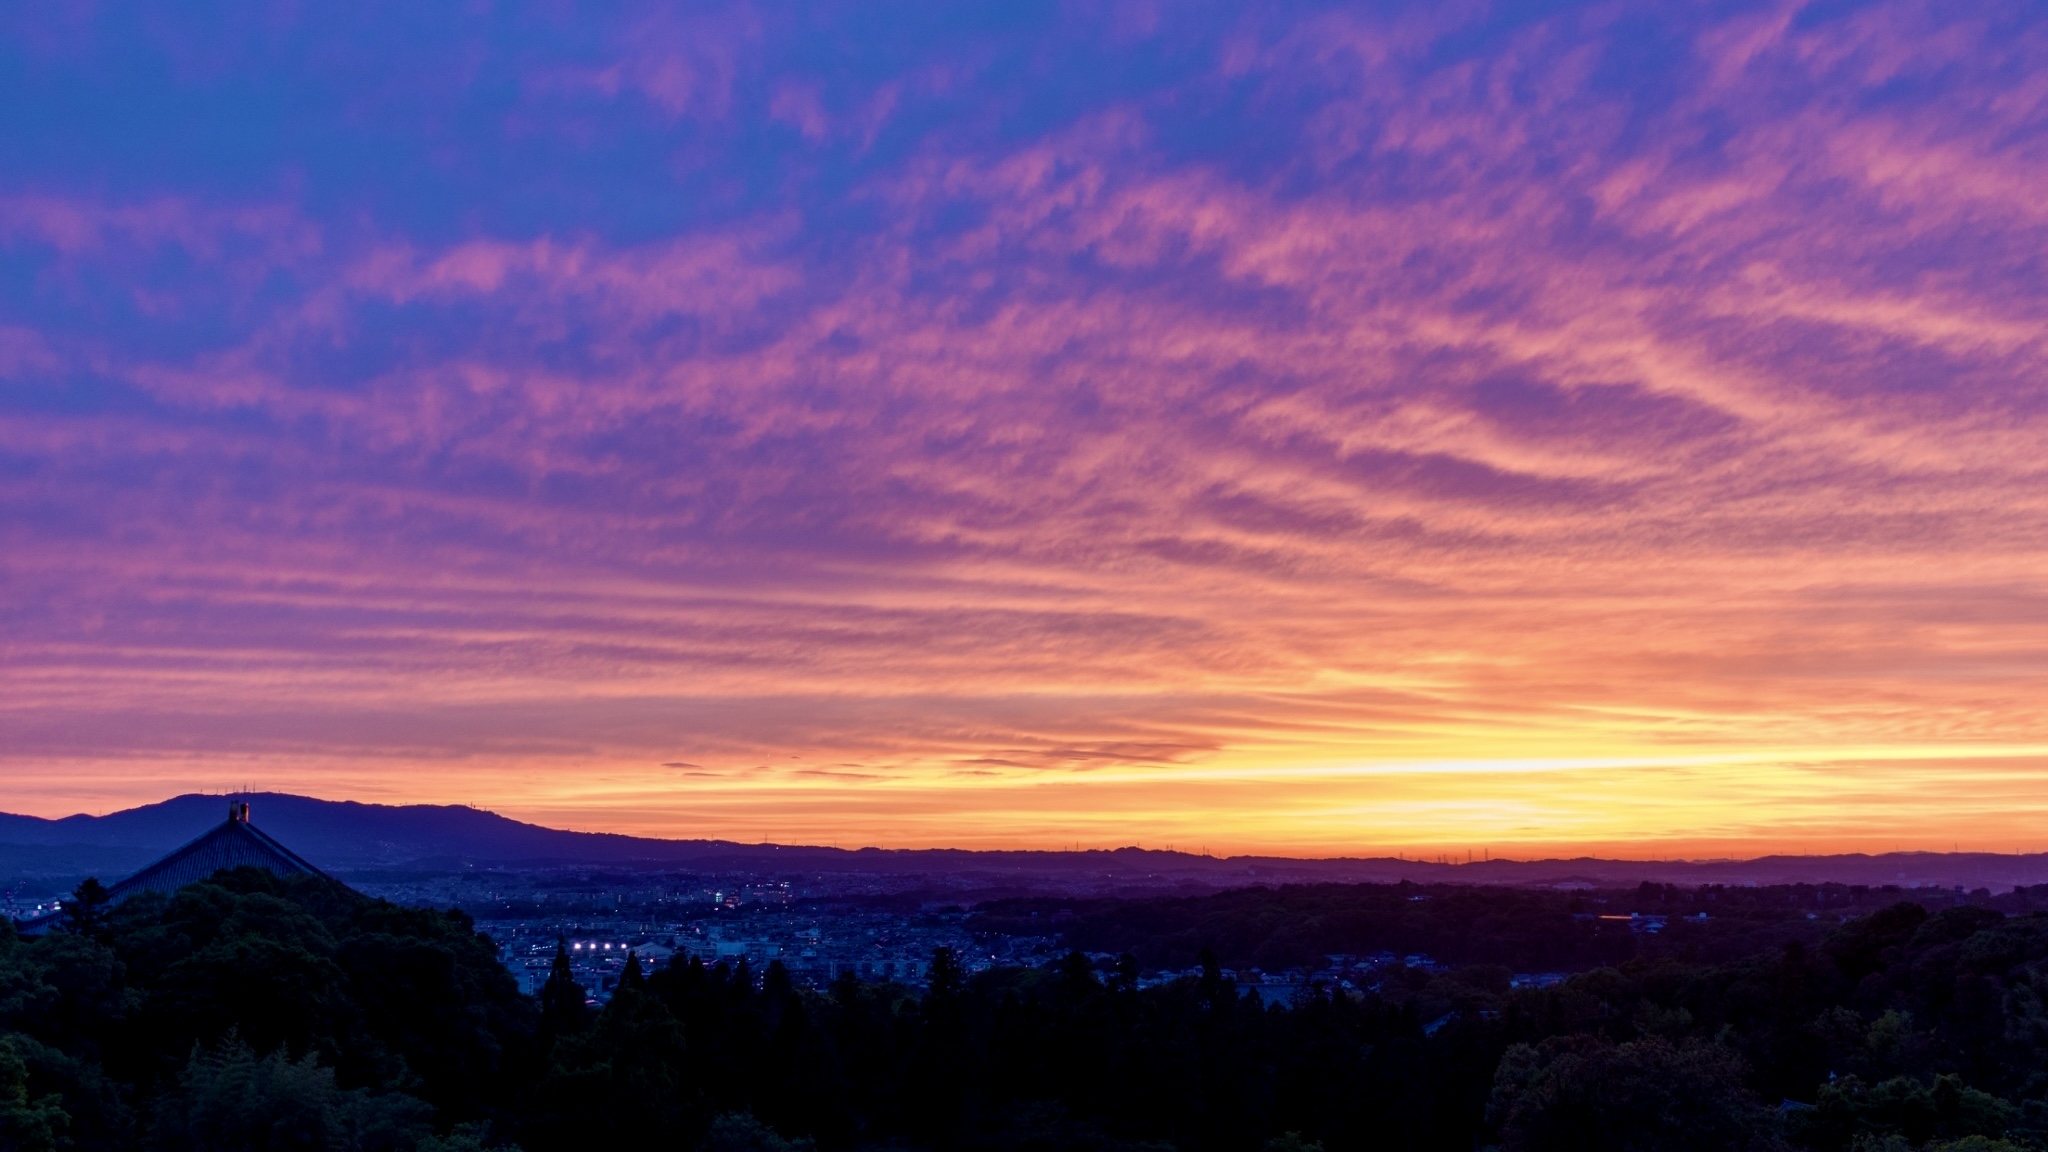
point(960, 411)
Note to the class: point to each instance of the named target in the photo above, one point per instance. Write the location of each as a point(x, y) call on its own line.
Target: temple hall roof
point(234, 844)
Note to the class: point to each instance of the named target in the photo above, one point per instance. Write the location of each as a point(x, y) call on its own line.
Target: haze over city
point(1305, 430)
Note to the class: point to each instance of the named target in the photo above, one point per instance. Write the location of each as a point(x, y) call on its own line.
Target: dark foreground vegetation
point(256, 1013)
point(1528, 930)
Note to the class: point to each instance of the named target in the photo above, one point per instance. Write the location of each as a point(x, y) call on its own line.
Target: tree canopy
point(252, 1012)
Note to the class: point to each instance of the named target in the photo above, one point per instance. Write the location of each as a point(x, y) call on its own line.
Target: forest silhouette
point(254, 1012)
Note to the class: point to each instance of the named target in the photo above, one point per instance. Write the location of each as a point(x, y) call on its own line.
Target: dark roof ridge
point(235, 843)
point(226, 845)
point(271, 842)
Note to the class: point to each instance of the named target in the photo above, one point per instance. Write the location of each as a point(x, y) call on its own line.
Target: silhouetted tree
point(85, 912)
point(27, 1123)
point(946, 976)
point(562, 999)
point(231, 1100)
point(740, 1132)
point(1577, 1094)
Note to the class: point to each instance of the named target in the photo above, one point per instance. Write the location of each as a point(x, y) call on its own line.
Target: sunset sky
point(1442, 427)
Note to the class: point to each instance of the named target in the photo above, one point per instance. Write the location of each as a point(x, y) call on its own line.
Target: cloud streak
point(1149, 410)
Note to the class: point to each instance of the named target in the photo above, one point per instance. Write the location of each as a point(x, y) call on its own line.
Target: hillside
point(347, 835)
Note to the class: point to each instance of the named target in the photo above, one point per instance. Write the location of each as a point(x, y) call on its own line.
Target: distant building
point(234, 844)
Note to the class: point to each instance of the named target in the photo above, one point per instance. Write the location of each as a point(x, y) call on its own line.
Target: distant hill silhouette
point(348, 834)
point(343, 835)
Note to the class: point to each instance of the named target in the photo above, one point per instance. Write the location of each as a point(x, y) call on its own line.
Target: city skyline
point(1308, 431)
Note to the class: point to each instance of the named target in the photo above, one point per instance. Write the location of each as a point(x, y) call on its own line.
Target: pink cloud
point(75, 227)
point(684, 65)
point(798, 106)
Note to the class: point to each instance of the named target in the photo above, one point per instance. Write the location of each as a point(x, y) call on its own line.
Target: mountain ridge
point(349, 834)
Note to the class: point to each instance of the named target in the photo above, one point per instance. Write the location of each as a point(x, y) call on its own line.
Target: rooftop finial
point(238, 812)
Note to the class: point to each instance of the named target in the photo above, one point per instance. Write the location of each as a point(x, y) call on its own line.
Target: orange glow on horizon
point(1673, 807)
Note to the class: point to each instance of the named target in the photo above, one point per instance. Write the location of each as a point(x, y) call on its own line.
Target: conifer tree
point(562, 1008)
point(946, 976)
point(86, 911)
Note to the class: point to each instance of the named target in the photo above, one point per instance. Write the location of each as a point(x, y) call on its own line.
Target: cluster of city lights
point(580, 946)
